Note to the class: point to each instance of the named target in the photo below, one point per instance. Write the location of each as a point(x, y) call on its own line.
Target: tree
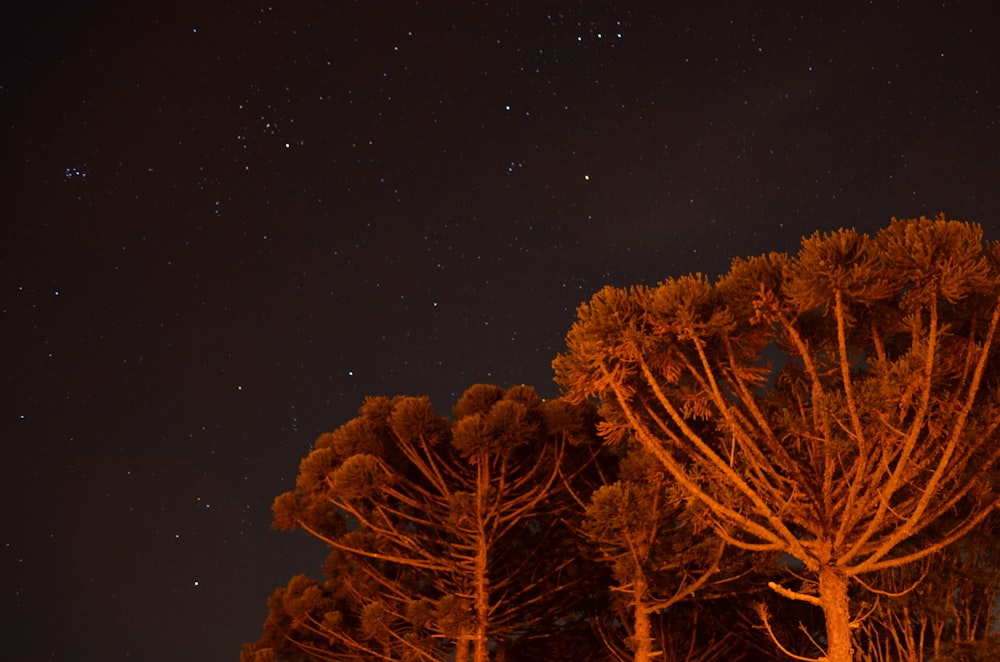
point(829, 406)
point(661, 556)
point(446, 537)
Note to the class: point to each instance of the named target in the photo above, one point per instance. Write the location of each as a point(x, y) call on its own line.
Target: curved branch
point(765, 617)
point(779, 532)
point(955, 535)
point(845, 369)
point(916, 520)
point(900, 594)
point(912, 436)
point(654, 445)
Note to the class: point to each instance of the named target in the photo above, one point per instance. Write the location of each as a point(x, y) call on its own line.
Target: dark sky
point(225, 224)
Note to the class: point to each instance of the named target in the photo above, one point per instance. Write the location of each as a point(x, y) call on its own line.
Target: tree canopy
point(661, 555)
point(831, 405)
point(447, 536)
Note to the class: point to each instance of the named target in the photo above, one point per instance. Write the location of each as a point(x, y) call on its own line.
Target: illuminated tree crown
point(831, 405)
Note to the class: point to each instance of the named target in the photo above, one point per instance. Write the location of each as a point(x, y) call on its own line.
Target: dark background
point(225, 224)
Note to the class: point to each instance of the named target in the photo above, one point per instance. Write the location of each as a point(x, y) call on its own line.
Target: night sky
point(225, 224)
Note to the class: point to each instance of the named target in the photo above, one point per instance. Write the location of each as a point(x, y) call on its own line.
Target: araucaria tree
point(447, 537)
point(832, 405)
point(648, 532)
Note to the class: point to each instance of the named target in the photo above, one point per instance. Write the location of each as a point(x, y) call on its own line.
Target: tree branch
point(794, 595)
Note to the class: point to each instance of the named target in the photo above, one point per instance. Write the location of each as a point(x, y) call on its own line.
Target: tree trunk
point(938, 628)
point(642, 640)
point(482, 599)
point(482, 607)
point(836, 605)
point(911, 653)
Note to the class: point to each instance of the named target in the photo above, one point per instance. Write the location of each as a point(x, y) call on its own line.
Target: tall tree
point(830, 405)
point(662, 555)
point(448, 532)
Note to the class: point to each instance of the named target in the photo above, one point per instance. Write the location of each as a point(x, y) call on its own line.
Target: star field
point(227, 225)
